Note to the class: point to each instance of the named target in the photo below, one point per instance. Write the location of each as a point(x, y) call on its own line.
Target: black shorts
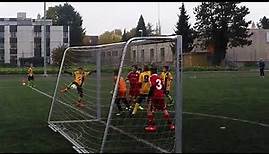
point(30, 78)
point(142, 97)
point(79, 89)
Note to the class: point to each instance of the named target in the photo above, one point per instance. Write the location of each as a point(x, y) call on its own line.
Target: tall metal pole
point(45, 50)
point(178, 105)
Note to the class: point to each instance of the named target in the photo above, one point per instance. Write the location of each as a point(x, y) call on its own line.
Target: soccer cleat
point(140, 107)
point(151, 128)
point(118, 114)
point(63, 90)
point(171, 126)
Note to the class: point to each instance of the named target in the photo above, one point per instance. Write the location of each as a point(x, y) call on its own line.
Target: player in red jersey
point(156, 102)
point(133, 78)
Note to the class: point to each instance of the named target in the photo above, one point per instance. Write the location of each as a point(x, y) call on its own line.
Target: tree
point(141, 26)
point(264, 23)
point(149, 29)
point(110, 37)
point(57, 55)
point(129, 34)
point(184, 29)
point(220, 25)
point(66, 15)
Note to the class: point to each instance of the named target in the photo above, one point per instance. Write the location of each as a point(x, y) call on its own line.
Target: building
point(251, 54)
point(90, 40)
point(22, 38)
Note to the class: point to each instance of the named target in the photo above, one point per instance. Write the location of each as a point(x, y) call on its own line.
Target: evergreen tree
point(184, 29)
point(124, 36)
point(264, 23)
point(141, 26)
point(221, 25)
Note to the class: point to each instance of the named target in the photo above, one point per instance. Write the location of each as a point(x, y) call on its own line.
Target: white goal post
point(96, 116)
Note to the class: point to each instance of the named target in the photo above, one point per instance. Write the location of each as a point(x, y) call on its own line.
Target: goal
point(88, 116)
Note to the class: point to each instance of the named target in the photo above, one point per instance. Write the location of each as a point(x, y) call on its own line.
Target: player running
point(167, 80)
point(30, 76)
point(133, 78)
point(79, 78)
point(121, 93)
point(144, 90)
point(156, 102)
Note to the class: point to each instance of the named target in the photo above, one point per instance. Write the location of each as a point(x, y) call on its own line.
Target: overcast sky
point(99, 17)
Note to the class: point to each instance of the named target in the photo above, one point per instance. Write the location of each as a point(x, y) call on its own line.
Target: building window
point(2, 28)
point(151, 55)
point(2, 55)
point(162, 54)
point(2, 40)
point(13, 60)
point(13, 34)
point(108, 53)
point(65, 34)
point(2, 45)
point(115, 53)
point(13, 51)
point(134, 55)
point(2, 34)
point(37, 28)
point(13, 45)
point(65, 28)
point(103, 54)
point(142, 55)
point(13, 28)
point(37, 34)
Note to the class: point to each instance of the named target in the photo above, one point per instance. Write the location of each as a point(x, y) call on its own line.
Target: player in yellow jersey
point(78, 81)
point(144, 88)
point(30, 75)
point(167, 80)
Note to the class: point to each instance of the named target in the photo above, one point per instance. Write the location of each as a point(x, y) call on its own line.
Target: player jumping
point(156, 102)
point(167, 79)
point(79, 78)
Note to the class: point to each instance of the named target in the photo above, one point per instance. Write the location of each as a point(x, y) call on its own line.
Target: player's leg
point(117, 102)
point(167, 94)
point(166, 115)
point(137, 106)
point(151, 127)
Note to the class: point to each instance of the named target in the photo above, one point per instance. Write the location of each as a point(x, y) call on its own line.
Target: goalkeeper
point(79, 78)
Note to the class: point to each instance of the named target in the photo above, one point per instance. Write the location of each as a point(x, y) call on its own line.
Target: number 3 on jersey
point(159, 84)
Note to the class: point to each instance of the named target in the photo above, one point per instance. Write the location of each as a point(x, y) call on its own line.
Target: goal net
point(93, 106)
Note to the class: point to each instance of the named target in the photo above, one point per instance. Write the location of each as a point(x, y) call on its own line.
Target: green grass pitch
point(238, 95)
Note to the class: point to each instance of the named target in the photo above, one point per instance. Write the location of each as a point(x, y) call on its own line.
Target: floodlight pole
point(45, 50)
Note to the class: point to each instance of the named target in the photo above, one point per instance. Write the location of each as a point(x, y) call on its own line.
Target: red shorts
point(121, 93)
point(134, 92)
point(158, 104)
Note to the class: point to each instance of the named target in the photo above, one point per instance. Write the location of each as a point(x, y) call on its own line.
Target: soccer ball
point(24, 83)
point(73, 86)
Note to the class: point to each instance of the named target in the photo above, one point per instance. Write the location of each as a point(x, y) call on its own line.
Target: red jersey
point(133, 78)
point(156, 83)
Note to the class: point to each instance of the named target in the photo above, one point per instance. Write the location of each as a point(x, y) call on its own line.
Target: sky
point(99, 17)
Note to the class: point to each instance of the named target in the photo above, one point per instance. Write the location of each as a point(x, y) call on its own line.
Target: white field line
point(228, 118)
point(113, 127)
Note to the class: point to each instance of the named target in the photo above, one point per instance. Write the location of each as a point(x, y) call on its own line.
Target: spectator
point(261, 66)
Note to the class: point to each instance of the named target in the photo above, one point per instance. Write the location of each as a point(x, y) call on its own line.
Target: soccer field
point(237, 101)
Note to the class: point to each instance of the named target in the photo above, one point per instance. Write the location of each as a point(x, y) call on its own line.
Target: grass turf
point(233, 94)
